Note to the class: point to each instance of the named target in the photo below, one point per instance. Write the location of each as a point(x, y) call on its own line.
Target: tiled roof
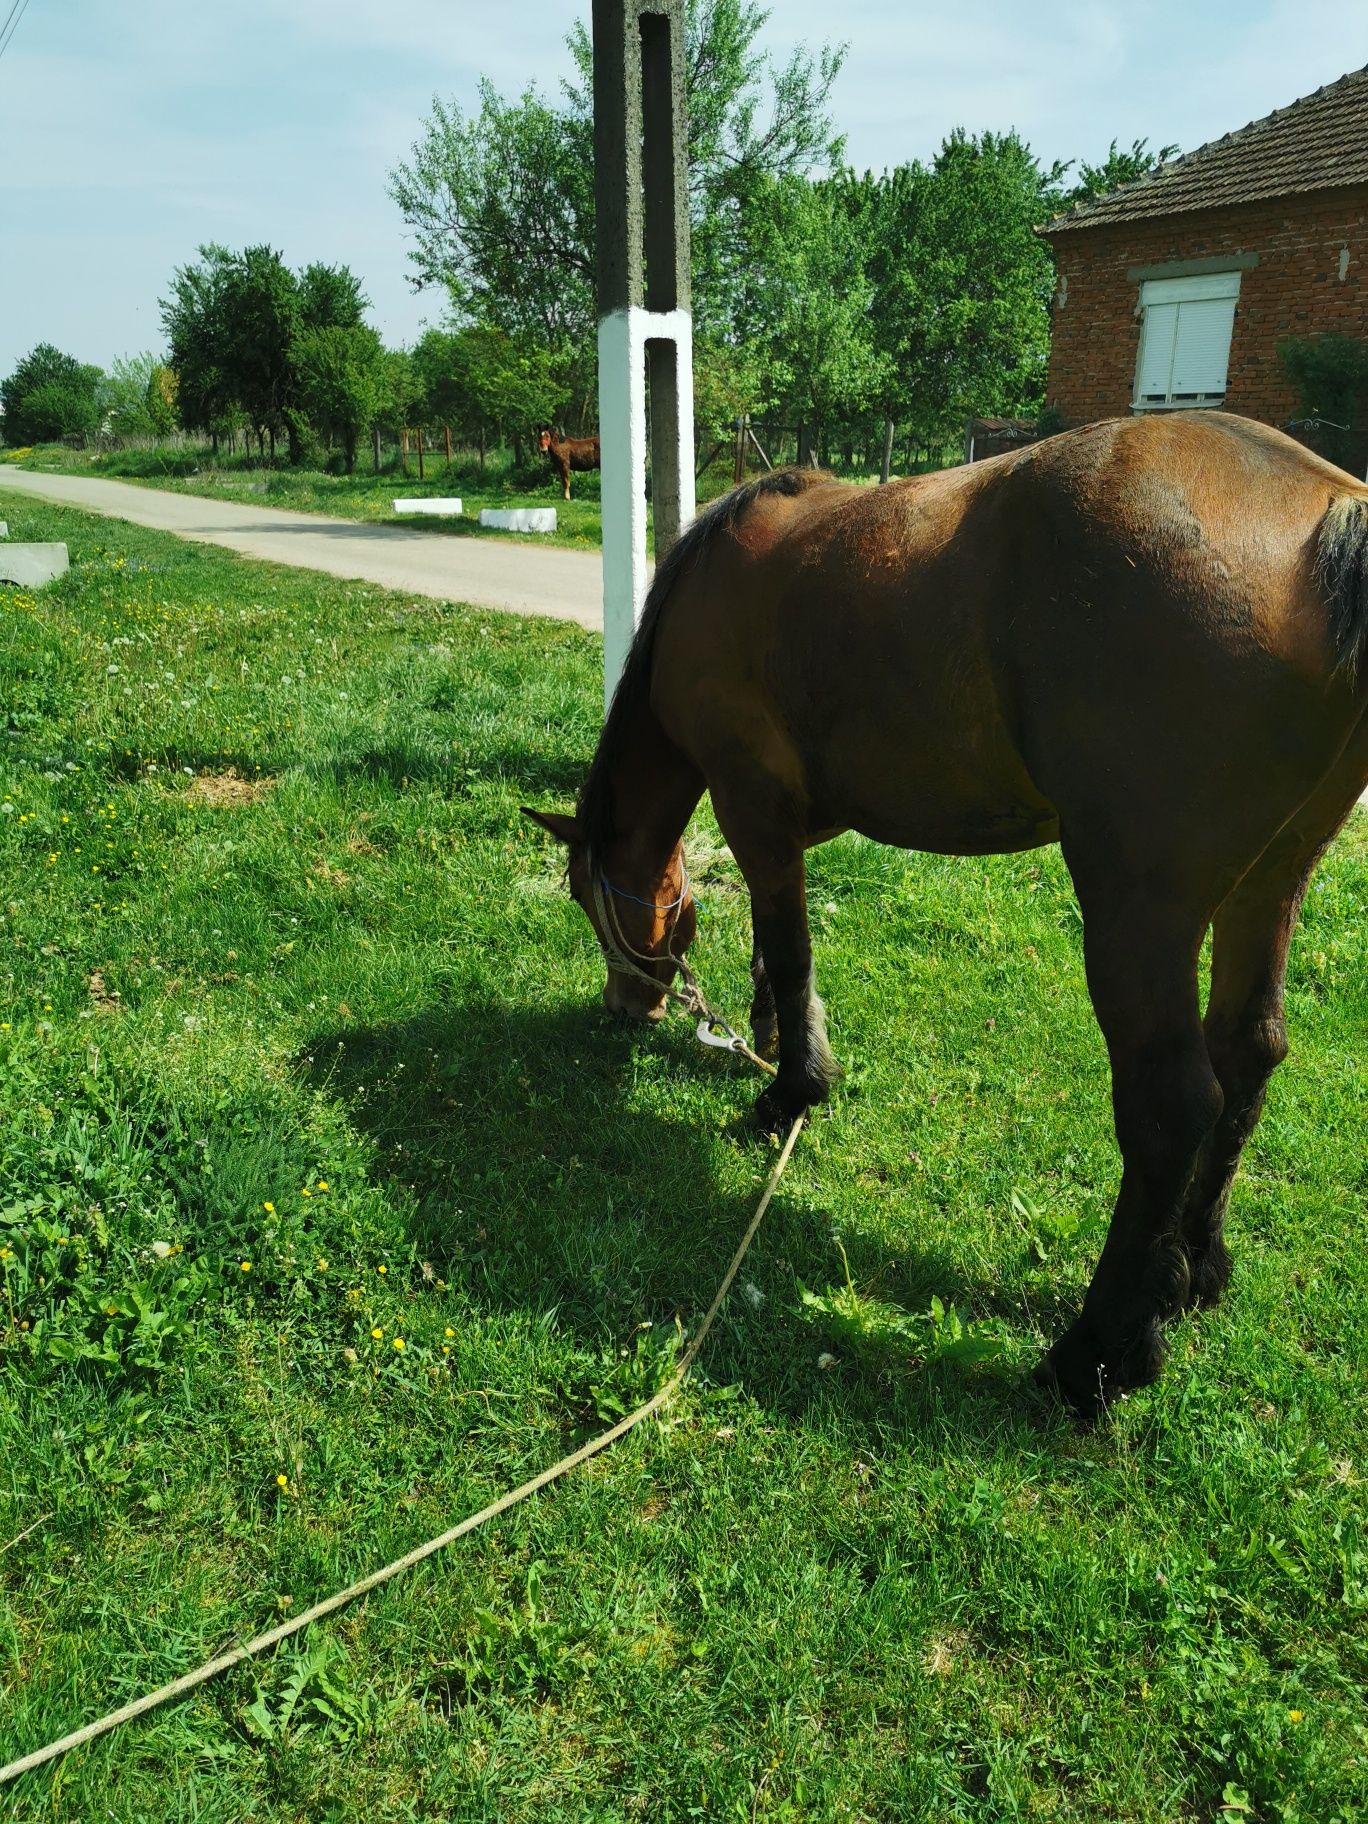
point(1317, 143)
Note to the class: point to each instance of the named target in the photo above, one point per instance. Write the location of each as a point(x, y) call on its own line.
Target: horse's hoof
point(1089, 1379)
point(773, 1115)
point(1208, 1277)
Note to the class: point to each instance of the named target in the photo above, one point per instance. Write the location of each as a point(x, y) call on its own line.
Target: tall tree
point(50, 395)
point(194, 315)
point(500, 201)
point(962, 282)
point(339, 384)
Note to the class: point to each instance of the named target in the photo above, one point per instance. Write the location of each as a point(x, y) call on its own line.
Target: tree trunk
point(403, 448)
point(421, 475)
point(446, 434)
point(271, 434)
point(886, 466)
point(375, 446)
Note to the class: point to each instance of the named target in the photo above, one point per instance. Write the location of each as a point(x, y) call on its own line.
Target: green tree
point(340, 381)
point(50, 395)
point(195, 317)
point(129, 397)
point(500, 201)
point(486, 384)
point(330, 297)
point(811, 310)
point(235, 322)
point(961, 280)
point(1117, 168)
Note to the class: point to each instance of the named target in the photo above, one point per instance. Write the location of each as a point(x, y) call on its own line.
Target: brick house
point(1175, 290)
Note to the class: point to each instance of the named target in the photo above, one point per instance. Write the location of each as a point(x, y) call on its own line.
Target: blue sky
point(132, 130)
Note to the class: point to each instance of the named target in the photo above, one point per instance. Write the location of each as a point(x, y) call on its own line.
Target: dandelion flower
point(282, 1480)
point(322, 1265)
point(322, 1184)
point(377, 1333)
point(306, 1192)
point(382, 1269)
point(449, 1331)
point(399, 1342)
point(246, 1266)
point(269, 1208)
point(1295, 1716)
point(446, 1348)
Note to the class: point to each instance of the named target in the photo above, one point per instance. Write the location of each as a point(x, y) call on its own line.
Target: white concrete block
point(30, 566)
point(4, 528)
point(449, 508)
point(519, 519)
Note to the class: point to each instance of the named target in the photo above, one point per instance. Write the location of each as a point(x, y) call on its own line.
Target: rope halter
point(623, 959)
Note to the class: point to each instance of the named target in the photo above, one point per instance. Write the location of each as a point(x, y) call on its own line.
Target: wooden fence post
point(420, 452)
point(446, 432)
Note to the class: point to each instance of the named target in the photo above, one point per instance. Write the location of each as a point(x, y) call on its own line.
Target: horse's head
point(545, 436)
point(644, 921)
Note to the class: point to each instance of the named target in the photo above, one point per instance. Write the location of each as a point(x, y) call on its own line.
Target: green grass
point(862, 1571)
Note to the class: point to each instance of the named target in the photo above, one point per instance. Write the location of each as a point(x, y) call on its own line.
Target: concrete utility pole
point(641, 198)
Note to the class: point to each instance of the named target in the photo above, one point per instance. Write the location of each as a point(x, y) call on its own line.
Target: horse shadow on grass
point(555, 1162)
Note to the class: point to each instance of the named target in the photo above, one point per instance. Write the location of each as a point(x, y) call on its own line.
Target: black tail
point(595, 809)
point(1342, 571)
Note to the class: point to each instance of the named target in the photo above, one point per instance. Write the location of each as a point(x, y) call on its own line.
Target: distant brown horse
point(1146, 640)
point(567, 453)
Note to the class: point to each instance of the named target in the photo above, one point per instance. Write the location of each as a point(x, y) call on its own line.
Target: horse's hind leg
point(1141, 948)
point(1246, 1033)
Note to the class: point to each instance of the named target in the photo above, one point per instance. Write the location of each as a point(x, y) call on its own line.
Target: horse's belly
point(973, 832)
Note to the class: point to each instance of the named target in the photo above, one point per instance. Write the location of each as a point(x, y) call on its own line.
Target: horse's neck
point(655, 789)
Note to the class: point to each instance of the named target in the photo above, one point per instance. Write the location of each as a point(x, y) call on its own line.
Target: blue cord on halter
point(651, 904)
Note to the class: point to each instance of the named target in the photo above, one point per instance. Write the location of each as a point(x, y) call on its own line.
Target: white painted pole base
point(30, 566)
point(519, 519)
point(622, 339)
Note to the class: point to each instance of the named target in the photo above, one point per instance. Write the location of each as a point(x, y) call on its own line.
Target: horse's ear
point(565, 829)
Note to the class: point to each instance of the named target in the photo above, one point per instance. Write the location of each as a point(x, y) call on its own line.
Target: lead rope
point(222, 1662)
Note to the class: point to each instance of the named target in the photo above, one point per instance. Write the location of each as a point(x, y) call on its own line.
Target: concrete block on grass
point(4, 528)
point(519, 519)
point(30, 566)
point(450, 508)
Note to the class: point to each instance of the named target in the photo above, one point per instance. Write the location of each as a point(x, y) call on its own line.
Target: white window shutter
point(1201, 352)
point(1185, 339)
point(1157, 340)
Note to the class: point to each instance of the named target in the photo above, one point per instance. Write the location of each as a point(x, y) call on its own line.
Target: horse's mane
point(594, 810)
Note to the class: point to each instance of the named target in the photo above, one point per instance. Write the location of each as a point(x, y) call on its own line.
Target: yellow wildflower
point(377, 1333)
point(269, 1208)
point(282, 1480)
point(246, 1266)
point(399, 1342)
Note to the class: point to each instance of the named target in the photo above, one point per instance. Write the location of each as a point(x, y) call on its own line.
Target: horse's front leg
point(806, 1067)
point(764, 1021)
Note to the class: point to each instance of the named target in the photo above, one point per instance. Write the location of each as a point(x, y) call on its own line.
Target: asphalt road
point(490, 572)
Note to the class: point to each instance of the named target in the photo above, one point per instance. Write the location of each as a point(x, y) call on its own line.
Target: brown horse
point(567, 453)
point(1146, 640)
